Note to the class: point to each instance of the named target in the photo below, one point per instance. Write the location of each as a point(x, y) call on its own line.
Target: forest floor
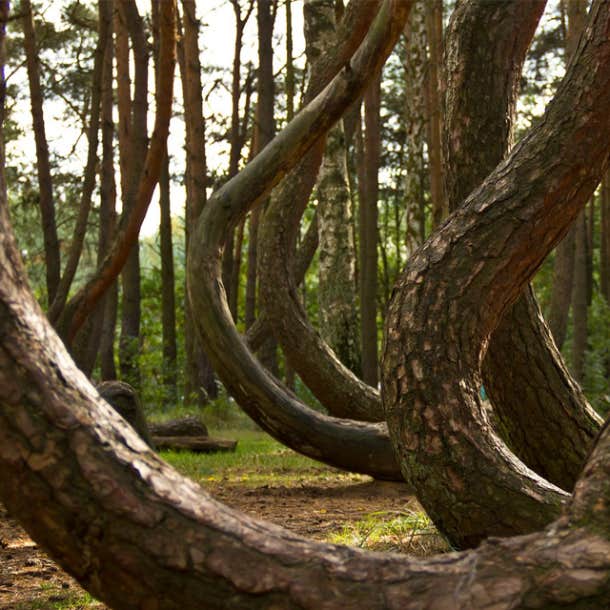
point(262, 479)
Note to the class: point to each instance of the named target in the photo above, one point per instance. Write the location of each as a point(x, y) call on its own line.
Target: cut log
point(185, 426)
point(197, 444)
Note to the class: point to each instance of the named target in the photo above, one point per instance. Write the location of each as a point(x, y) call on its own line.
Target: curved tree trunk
point(333, 384)
point(138, 535)
point(349, 445)
point(543, 415)
point(477, 264)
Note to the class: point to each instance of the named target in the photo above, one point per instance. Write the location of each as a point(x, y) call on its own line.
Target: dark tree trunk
point(477, 264)
point(43, 165)
point(368, 233)
point(108, 206)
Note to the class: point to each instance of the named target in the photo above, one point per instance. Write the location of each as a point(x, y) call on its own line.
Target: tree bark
point(434, 86)
point(477, 264)
point(43, 165)
point(108, 214)
point(523, 374)
point(579, 300)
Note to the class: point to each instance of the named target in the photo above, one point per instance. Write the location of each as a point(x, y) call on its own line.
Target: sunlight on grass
point(407, 531)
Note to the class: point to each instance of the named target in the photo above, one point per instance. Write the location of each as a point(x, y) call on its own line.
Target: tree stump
point(125, 401)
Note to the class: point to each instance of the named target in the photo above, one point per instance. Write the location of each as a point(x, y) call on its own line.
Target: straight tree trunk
point(564, 267)
point(579, 300)
point(108, 216)
point(416, 119)
point(129, 341)
point(200, 384)
point(338, 318)
point(168, 298)
point(368, 233)
point(43, 165)
point(434, 34)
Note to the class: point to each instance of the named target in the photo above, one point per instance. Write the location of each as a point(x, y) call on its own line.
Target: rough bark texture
point(43, 165)
point(477, 264)
point(137, 535)
point(199, 376)
point(350, 445)
point(333, 384)
point(523, 372)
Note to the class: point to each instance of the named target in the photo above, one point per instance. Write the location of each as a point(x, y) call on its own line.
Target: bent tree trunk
point(350, 445)
point(137, 535)
point(544, 416)
point(477, 264)
point(333, 384)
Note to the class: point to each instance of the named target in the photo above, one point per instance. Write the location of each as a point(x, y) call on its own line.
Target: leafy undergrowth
point(261, 478)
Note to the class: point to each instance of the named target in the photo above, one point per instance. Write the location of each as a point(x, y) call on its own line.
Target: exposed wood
point(196, 444)
point(185, 426)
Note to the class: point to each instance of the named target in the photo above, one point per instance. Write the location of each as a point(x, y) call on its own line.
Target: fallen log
point(184, 426)
point(197, 444)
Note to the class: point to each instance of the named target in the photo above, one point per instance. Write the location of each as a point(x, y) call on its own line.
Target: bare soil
point(318, 509)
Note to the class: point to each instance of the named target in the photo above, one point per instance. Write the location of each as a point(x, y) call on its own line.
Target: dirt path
point(319, 510)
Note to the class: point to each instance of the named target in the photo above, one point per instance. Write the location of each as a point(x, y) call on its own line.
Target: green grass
point(258, 459)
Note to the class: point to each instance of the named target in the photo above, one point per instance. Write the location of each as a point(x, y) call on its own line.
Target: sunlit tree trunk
point(338, 316)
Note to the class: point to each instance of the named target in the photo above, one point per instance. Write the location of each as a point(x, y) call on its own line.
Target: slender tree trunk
point(368, 233)
point(200, 383)
point(338, 318)
point(130, 341)
point(416, 119)
point(434, 33)
point(335, 386)
point(108, 214)
point(168, 298)
point(43, 165)
point(579, 300)
point(564, 266)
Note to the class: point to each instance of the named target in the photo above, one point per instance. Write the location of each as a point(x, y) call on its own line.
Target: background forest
point(78, 113)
